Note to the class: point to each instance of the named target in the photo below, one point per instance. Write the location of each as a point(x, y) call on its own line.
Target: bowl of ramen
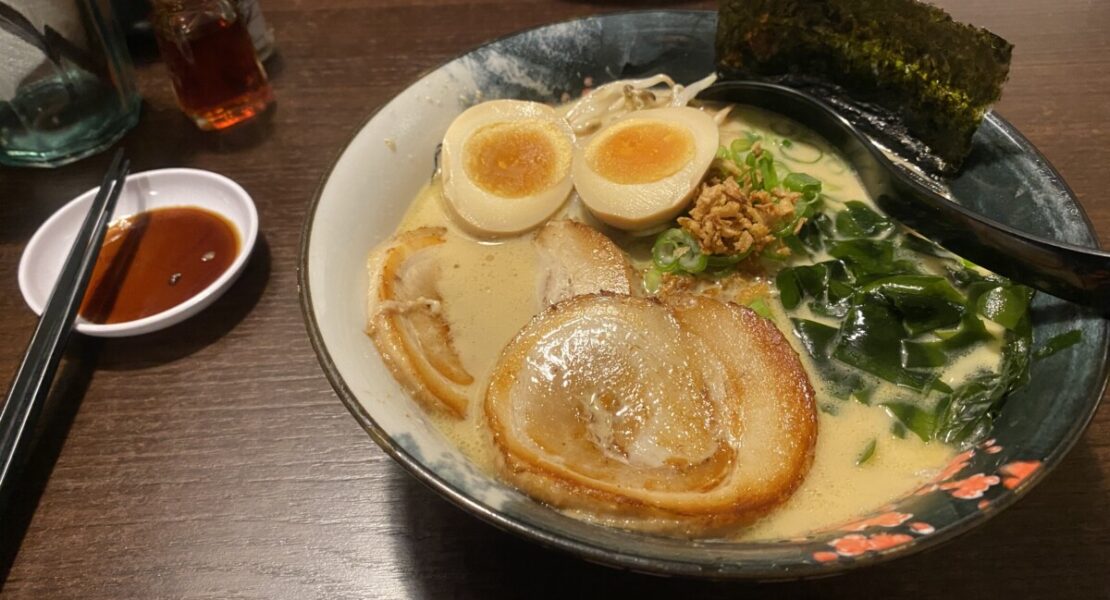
point(677, 336)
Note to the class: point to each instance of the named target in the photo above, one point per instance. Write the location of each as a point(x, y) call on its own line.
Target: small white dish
point(42, 259)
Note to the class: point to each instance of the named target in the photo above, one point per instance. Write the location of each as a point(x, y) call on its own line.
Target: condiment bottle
point(216, 74)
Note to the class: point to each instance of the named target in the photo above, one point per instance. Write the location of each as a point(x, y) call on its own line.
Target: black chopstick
point(44, 352)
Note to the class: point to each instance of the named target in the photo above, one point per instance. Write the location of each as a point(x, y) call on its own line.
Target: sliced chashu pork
point(576, 259)
point(685, 415)
point(405, 320)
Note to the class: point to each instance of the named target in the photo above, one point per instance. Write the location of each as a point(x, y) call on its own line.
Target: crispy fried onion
point(406, 322)
point(613, 99)
point(684, 415)
point(730, 219)
point(576, 259)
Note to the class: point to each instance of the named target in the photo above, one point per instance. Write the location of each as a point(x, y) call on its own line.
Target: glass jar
point(67, 88)
point(217, 76)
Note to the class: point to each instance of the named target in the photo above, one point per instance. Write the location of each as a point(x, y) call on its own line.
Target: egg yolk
point(516, 159)
point(641, 151)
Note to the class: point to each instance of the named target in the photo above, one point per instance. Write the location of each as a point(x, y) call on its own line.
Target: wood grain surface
point(213, 460)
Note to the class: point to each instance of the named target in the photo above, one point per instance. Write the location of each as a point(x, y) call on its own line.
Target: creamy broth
point(489, 291)
point(491, 294)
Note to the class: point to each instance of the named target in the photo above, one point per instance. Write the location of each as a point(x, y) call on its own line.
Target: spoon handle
point(1074, 273)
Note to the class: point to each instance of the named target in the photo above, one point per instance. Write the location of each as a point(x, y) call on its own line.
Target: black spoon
point(1075, 273)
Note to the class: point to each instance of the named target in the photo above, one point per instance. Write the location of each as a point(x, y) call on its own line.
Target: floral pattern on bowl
point(891, 529)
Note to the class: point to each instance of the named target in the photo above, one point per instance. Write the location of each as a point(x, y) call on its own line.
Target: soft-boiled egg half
point(506, 166)
point(642, 169)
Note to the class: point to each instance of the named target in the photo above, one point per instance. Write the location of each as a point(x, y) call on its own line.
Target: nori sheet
point(895, 66)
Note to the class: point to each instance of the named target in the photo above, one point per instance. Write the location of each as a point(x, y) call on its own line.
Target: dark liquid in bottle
point(216, 74)
point(155, 260)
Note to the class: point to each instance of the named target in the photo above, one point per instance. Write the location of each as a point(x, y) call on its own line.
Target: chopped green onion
point(719, 261)
point(750, 159)
point(675, 249)
point(802, 183)
point(653, 279)
point(767, 172)
point(667, 248)
point(760, 307)
point(693, 261)
point(740, 144)
point(868, 452)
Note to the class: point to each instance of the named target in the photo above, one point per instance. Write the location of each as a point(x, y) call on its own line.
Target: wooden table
point(212, 460)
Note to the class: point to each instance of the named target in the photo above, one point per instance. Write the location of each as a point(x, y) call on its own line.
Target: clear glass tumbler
point(67, 87)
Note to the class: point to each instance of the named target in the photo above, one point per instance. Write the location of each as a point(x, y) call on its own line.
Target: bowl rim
point(248, 236)
point(613, 558)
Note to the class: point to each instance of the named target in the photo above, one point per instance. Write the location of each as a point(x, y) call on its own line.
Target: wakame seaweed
point(888, 64)
point(1058, 343)
point(883, 317)
point(883, 314)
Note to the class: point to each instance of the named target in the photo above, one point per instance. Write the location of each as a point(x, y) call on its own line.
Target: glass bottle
point(67, 89)
point(217, 76)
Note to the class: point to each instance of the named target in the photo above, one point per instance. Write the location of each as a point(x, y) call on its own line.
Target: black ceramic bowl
point(367, 191)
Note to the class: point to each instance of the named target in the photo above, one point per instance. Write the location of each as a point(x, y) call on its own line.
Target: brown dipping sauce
point(154, 260)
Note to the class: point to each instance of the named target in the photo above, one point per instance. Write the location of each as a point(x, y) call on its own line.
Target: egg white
point(484, 213)
point(640, 206)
